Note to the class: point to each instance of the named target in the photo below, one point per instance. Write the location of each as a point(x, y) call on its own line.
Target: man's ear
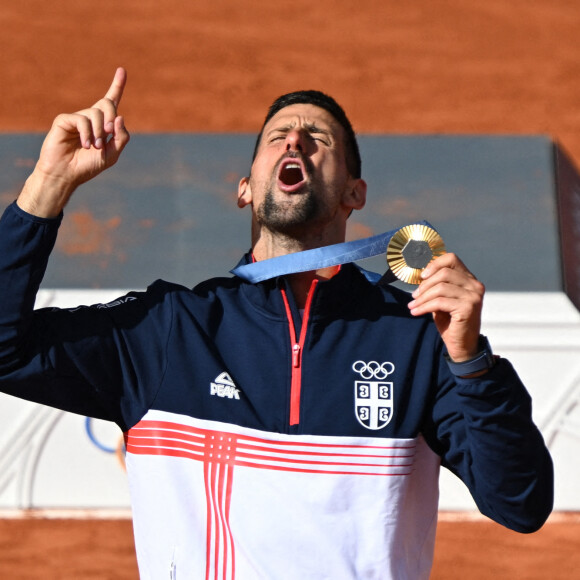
point(356, 194)
point(244, 192)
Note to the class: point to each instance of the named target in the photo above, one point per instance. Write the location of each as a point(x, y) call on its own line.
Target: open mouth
point(291, 175)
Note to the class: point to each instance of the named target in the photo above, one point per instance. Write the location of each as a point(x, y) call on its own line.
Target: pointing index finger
point(117, 87)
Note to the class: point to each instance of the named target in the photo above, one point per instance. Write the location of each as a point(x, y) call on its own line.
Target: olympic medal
point(411, 249)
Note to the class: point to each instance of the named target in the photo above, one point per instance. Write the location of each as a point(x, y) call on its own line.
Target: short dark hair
point(319, 99)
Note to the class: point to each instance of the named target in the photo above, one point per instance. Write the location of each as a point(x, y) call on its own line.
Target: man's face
point(299, 178)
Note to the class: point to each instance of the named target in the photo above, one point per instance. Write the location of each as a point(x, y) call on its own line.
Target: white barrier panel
point(50, 459)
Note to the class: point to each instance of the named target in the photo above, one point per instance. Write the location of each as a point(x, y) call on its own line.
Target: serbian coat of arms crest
point(373, 398)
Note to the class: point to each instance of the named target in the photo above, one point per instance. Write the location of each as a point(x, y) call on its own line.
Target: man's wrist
point(478, 365)
point(42, 198)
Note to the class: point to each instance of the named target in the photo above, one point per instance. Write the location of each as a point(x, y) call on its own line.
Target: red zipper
point(297, 347)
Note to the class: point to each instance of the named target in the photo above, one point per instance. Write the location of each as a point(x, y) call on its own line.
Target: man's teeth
point(291, 173)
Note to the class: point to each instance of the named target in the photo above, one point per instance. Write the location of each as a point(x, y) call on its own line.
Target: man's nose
point(295, 141)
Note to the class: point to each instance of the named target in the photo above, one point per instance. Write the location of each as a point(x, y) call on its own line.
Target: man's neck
point(268, 244)
point(271, 246)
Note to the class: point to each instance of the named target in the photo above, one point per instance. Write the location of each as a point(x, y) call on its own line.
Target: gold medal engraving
point(410, 250)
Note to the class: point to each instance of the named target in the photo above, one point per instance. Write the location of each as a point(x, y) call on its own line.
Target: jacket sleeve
point(102, 361)
point(483, 430)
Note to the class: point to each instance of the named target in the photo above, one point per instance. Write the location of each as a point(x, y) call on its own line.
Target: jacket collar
point(334, 295)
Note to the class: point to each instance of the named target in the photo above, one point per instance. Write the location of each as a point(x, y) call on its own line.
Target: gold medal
point(410, 250)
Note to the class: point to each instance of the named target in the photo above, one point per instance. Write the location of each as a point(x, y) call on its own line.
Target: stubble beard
point(292, 218)
point(297, 219)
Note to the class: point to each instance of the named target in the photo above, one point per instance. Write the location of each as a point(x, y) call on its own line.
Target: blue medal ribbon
point(317, 258)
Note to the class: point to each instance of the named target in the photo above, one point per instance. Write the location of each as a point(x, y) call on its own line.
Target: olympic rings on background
point(94, 440)
point(119, 450)
point(373, 369)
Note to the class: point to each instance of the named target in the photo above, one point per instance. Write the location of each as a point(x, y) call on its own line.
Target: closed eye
point(319, 135)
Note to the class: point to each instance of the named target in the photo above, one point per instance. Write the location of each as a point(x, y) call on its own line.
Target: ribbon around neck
point(317, 258)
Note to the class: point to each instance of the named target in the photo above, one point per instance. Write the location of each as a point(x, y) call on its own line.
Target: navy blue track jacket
point(266, 444)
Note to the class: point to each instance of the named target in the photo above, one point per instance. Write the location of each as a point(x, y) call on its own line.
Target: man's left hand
point(455, 298)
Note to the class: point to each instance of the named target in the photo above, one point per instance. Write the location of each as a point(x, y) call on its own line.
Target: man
point(291, 428)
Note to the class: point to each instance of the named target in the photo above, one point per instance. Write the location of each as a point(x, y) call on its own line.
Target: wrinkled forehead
point(304, 116)
point(307, 116)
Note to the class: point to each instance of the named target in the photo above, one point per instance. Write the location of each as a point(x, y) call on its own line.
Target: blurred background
point(425, 66)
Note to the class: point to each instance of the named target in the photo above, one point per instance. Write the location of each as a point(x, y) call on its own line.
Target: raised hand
point(78, 147)
point(455, 298)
